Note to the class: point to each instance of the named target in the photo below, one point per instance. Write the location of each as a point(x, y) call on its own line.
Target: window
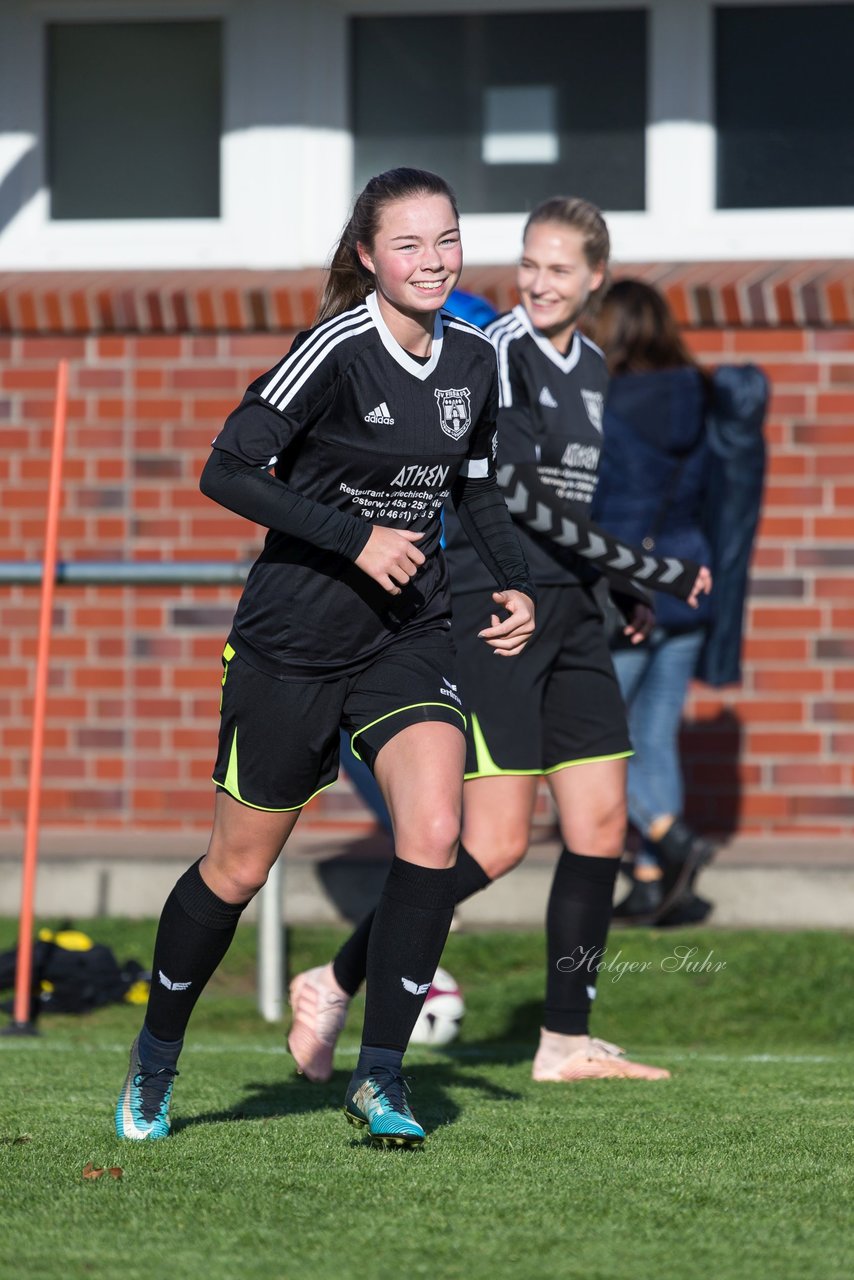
point(785, 110)
point(134, 119)
point(510, 108)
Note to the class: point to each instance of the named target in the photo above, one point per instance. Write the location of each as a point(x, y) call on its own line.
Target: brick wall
point(157, 362)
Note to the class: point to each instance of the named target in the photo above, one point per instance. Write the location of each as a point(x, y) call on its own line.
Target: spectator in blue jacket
point(662, 460)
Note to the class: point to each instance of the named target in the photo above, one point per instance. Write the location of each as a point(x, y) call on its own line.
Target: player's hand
point(640, 624)
point(702, 586)
point(390, 557)
point(509, 637)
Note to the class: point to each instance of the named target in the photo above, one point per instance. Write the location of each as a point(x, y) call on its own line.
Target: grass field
point(739, 1167)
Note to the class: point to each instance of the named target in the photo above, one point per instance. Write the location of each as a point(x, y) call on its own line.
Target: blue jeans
point(654, 679)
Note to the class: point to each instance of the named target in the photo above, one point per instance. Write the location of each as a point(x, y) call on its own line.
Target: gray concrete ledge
point(332, 878)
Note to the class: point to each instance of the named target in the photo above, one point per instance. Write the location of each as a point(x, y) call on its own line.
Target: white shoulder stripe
point(502, 341)
point(465, 327)
point(591, 343)
point(498, 326)
point(292, 364)
point(285, 394)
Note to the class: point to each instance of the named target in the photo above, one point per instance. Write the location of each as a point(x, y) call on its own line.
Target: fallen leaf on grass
point(91, 1173)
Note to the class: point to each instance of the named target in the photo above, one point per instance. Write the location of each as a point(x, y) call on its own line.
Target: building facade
point(172, 177)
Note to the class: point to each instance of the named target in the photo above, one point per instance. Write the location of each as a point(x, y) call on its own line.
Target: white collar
point(549, 350)
point(396, 351)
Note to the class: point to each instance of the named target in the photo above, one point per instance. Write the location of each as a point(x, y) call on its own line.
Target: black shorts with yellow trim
point(555, 704)
point(279, 738)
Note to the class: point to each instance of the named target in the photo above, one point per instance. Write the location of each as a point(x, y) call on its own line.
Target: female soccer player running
point(557, 710)
point(378, 414)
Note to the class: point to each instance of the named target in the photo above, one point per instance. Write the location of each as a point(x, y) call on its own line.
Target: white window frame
point(287, 150)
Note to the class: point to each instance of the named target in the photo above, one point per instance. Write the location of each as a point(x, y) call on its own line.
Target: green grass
point(739, 1167)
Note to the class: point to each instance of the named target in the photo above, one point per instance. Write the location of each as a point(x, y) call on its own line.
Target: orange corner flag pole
point(24, 970)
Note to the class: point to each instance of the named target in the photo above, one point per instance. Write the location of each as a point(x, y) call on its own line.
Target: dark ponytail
point(349, 282)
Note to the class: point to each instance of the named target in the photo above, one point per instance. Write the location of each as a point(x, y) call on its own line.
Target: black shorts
point(279, 739)
point(555, 704)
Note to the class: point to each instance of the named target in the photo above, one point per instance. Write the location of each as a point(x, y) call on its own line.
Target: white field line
point(351, 1051)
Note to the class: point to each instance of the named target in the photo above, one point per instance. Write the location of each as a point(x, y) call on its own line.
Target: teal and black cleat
point(378, 1102)
point(142, 1111)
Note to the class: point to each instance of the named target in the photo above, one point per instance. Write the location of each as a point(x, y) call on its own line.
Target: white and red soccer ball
point(439, 1020)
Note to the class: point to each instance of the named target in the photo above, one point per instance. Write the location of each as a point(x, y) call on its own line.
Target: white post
point(271, 946)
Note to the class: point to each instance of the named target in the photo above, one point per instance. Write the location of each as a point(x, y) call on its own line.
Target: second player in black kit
point(347, 451)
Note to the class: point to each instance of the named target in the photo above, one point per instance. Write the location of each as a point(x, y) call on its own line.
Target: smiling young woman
point(376, 416)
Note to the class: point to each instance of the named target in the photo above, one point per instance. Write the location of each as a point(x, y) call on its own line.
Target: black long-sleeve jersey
point(359, 432)
point(550, 438)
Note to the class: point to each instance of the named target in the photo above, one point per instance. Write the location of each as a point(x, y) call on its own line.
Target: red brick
point(794, 680)
point(28, 379)
point(770, 340)
point(817, 435)
point(160, 407)
point(823, 806)
point(764, 806)
point(788, 527)
point(786, 465)
point(808, 774)
point(113, 348)
point(837, 711)
point(793, 495)
point(840, 528)
point(843, 681)
point(783, 744)
point(149, 379)
point(832, 340)
point(159, 348)
point(779, 618)
point(53, 349)
point(835, 403)
point(111, 770)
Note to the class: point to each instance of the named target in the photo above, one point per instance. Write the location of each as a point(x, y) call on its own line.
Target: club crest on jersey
point(593, 403)
point(454, 411)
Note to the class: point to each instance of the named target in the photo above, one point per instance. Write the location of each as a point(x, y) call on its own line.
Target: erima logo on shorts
point(415, 988)
point(450, 691)
point(170, 985)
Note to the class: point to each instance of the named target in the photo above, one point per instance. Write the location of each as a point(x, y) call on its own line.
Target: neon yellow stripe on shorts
point(398, 711)
point(232, 787)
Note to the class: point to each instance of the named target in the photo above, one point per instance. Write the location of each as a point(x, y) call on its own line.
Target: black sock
point(406, 942)
point(195, 931)
point(577, 921)
point(350, 964)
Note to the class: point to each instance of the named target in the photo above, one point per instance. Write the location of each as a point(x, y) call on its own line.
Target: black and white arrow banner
point(536, 505)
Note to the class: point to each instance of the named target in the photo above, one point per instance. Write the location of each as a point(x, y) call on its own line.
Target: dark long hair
point(349, 282)
point(636, 329)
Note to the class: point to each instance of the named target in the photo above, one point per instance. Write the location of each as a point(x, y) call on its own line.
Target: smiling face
point(555, 279)
point(416, 259)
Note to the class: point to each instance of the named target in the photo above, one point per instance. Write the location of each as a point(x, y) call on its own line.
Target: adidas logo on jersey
point(547, 400)
point(382, 414)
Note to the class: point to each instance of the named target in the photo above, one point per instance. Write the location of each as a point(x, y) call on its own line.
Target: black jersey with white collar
point(352, 422)
point(551, 416)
